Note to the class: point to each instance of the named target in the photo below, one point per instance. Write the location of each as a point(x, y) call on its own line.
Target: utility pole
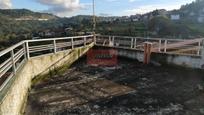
point(94, 22)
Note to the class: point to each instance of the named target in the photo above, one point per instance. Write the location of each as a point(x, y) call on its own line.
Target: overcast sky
point(103, 7)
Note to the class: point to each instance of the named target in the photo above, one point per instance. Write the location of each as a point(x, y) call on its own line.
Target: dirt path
point(132, 88)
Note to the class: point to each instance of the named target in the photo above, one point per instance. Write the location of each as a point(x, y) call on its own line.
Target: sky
point(67, 8)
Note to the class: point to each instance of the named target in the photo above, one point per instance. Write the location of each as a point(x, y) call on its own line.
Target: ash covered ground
point(130, 89)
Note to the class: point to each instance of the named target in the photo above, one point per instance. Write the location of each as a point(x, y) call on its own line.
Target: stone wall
point(16, 96)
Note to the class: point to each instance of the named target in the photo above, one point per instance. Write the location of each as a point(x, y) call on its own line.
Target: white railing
point(11, 59)
point(159, 45)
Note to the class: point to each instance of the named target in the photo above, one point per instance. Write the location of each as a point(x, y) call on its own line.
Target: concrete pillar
point(147, 52)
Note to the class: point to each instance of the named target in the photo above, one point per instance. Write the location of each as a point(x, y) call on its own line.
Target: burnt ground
point(130, 89)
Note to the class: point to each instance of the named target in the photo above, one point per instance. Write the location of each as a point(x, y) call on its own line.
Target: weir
point(28, 59)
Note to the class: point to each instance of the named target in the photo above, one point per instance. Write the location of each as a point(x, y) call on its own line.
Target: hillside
point(195, 8)
point(19, 24)
point(24, 13)
point(190, 23)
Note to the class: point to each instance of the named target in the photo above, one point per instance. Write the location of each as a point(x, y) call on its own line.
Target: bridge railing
point(11, 59)
point(159, 45)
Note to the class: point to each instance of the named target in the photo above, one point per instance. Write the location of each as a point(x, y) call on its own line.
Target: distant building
point(30, 19)
point(135, 20)
point(145, 17)
point(160, 12)
point(192, 14)
point(80, 33)
point(89, 33)
point(125, 19)
point(42, 19)
point(175, 17)
point(201, 19)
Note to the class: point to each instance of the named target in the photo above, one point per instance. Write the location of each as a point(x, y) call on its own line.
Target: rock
point(202, 111)
point(144, 79)
point(200, 87)
point(171, 109)
point(155, 63)
point(96, 106)
point(124, 113)
point(150, 101)
point(135, 109)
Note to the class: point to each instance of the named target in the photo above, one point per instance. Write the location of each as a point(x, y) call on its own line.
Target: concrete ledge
point(16, 95)
point(182, 60)
point(175, 59)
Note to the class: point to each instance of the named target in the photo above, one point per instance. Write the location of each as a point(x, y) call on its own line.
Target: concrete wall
point(16, 95)
point(182, 60)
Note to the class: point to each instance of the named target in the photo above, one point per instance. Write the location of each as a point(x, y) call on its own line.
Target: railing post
point(72, 42)
point(165, 46)
point(113, 40)
point(132, 40)
point(84, 41)
point(55, 47)
point(199, 46)
point(13, 62)
point(135, 43)
point(27, 50)
point(109, 40)
point(24, 51)
point(111, 43)
point(160, 45)
point(94, 38)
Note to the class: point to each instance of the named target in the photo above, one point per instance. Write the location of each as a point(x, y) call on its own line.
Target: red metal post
point(147, 52)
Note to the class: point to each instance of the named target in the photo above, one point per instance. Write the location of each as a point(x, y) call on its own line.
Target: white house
point(201, 19)
point(175, 17)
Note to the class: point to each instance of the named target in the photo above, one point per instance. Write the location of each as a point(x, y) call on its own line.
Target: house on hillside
point(135, 18)
point(161, 12)
point(175, 16)
point(125, 19)
point(201, 18)
point(192, 14)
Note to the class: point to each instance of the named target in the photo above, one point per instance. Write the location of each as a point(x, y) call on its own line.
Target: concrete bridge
point(24, 61)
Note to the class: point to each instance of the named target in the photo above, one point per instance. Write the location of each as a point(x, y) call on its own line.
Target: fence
point(159, 45)
point(14, 57)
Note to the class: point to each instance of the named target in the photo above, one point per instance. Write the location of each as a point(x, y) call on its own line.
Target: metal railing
point(11, 59)
point(159, 45)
